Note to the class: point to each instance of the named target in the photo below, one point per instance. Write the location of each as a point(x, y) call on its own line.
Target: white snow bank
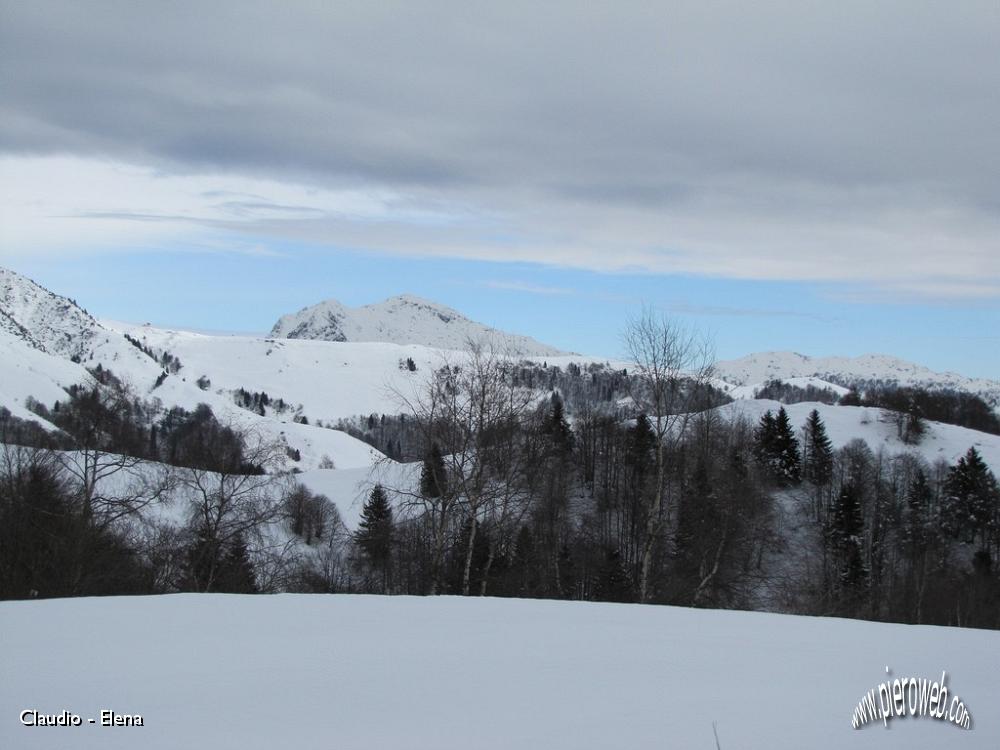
point(300, 671)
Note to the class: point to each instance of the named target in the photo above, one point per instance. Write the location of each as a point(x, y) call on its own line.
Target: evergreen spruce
point(787, 458)
point(433, 478)
point(613, 583)
point(557, 428)
point(763, 440)
point(776, 448)
point(236, 574)
point(641, 445)
point(972, 500)
point(817, 462)
point(375, 529)
point(918, 526)
point(846, 525)
point(212, 566)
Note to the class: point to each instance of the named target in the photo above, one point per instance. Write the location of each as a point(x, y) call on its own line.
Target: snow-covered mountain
point(41, 334)
point(44, 320)
point(404, 319)
point(48, 343)
point(756, 369)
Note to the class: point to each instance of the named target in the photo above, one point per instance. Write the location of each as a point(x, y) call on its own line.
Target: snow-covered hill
point(399, 320)
point(48, 343)
point(750, 390)
point(315, 671)
point(329, 380)
point(756, 369)
point(847, 423)
point(333, 380)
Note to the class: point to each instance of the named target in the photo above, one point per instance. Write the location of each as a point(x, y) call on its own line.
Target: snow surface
point(405, 319)
point(314, 671)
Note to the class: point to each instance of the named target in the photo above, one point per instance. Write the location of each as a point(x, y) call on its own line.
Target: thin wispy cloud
point(528, 288)
point(740, 312)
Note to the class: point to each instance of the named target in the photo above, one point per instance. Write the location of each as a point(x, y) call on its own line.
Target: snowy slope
point(761, 367)
point(330, 380)
point(399, 320)
point(57, 325)
point(845, 423)
point(349, 488)
point(750, 390)
point(313, 671)
point(43, 319)
point(48, 343)
point(26, 370)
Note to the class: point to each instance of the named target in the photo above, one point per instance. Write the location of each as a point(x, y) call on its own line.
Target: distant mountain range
point(866, 370)
point(329, 362)
point(404, 319)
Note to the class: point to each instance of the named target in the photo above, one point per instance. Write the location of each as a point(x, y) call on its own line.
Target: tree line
point(642, 492)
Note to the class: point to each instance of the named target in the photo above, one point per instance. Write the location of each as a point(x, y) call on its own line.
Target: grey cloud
point(761, 115)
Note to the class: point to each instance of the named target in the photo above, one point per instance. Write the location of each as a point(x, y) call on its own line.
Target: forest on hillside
point(597, 485)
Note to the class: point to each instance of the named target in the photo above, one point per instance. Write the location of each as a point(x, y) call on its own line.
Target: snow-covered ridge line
point(44, 319)
point(761, 367)
point(404, 319)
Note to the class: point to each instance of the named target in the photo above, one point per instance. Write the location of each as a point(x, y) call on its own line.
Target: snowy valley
point(333, 398)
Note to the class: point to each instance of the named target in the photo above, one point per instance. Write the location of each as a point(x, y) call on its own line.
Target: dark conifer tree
point(201, 565)
point(918, 525)
point(557, 428)
point(845, 527)
point(641, 444)
point(817, 464)
point(236, 574)
point(375, 530)
point(776, 448)
point(433, 478)
point(763, 440)
point(972, 500)
point(787, 459)
point(613, 583)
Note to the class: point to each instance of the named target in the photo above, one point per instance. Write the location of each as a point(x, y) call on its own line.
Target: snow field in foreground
point(311, 671)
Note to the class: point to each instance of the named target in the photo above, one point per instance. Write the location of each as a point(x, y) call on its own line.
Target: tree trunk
point(438, 562)
point(489, 564)
point(467, 572)
point(652, 521)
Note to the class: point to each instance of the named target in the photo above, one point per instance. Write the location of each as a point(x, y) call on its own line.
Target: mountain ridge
point(402, 319)
point(758, 368)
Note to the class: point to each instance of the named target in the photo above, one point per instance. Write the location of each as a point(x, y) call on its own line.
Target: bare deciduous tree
point(228, 505)
point(673, 365)
point(473, 410)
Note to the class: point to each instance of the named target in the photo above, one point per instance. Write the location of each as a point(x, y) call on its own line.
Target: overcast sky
point(844, 154)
